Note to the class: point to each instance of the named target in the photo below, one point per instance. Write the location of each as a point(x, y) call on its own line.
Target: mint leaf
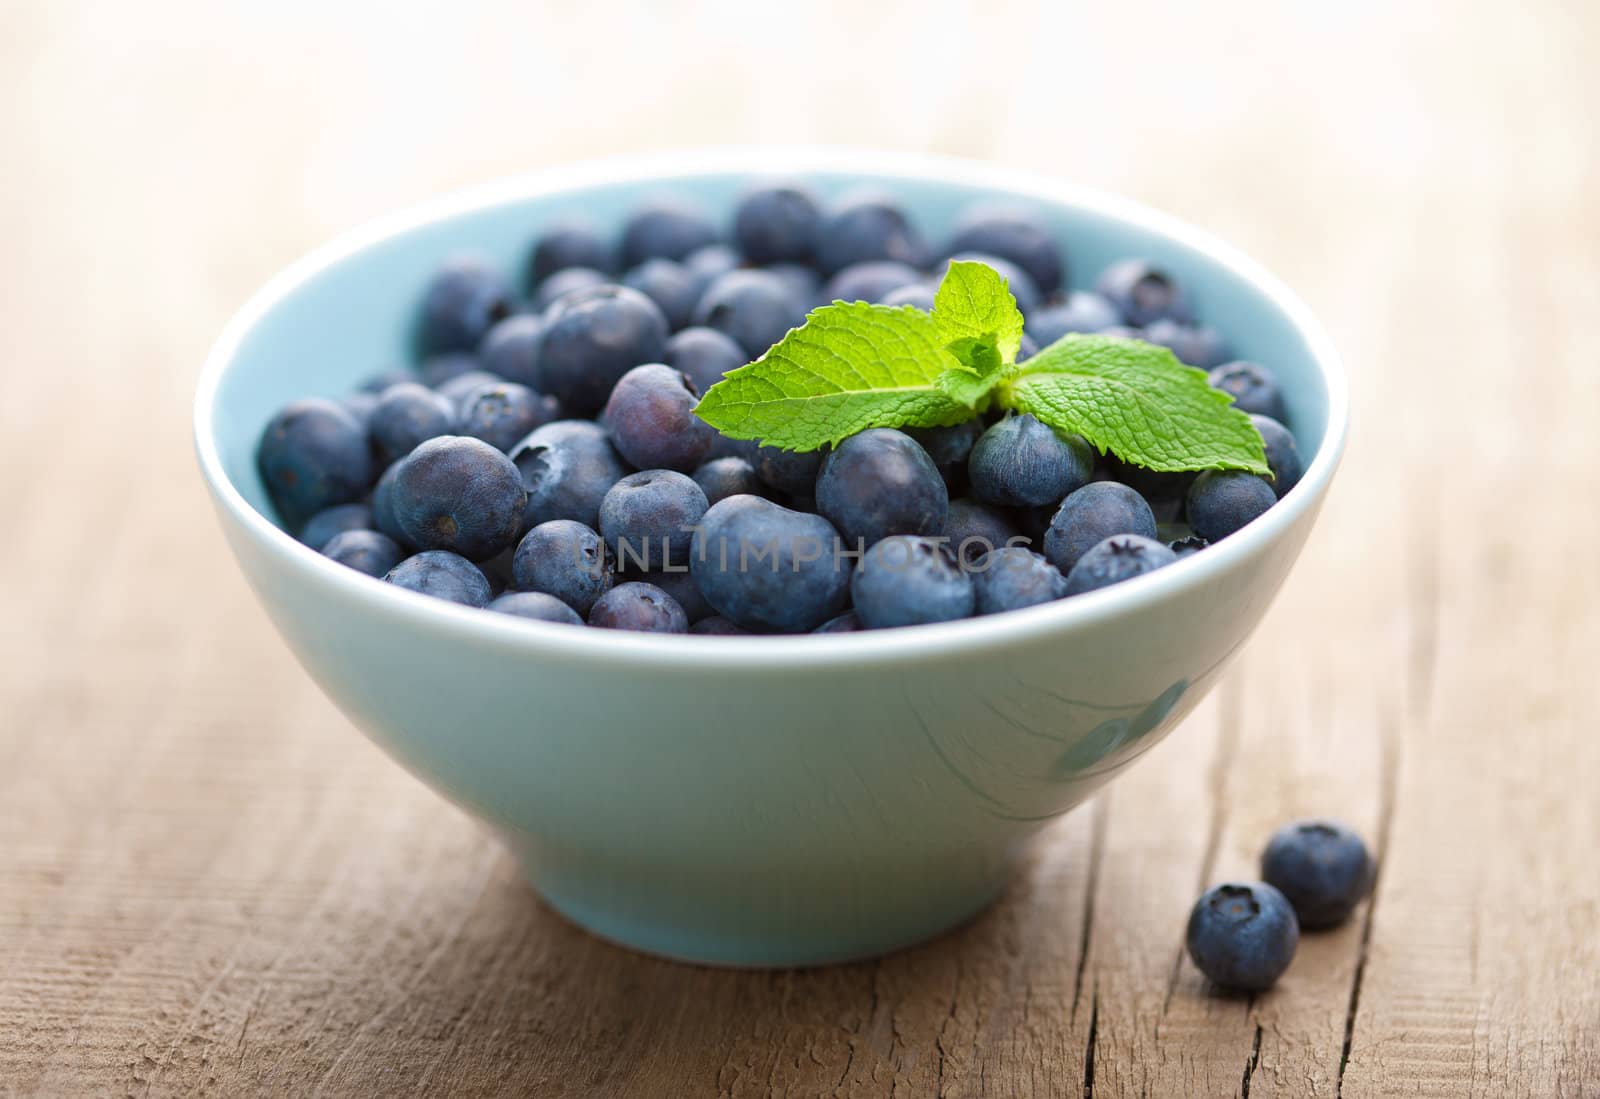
point(974, 301)
point(980, 367)
point(1138, 401)
point(851, 366)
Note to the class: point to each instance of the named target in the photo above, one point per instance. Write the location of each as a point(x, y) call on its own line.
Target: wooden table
point(210, 884)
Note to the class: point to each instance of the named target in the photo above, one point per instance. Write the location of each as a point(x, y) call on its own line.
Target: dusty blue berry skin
point(949, 447)
point(1020, 462)
point(641, 607)
point(768, 568)
point(443, 575)
point(1242, 935)
point(710, 262)
point(1016, 235)
point(366, 551)
point(1083, 311)
point(848, 622)
point(791, 471)
point(592, 339)
point(867, 225)
point(502, 414)
point(383, 379)
point(535, 605)
point(564, 284)
point(718, 626)
point(456, 389)
point(804, 283)
point(881, 482)
point(670, 285)
point(1015, 577)
point(1117, 558)
point(567, 468)
point(648, 518)
point(777, 224)
point(1283, 456)
point(651, 419)
point(565, 559)
point(321, 527)
point(440, 369)
point(1018, 281)
point(1092, 514)
point(721, 478)
point(1323, 869)
point(679, 583)
point(1253, 387)
point(1143, 293)
point(568, 243)
point(973, 529)
point(313, 454)
point(465, 298)
point(1195, 344)
point(384, 519)
point(459, 494)
point(754, 308)
point(704, 355)
point(510, 350)
point(918, 295)
point(1221, 501)
point(408, 414)
point(665, 229)
point(910, 581)
point(873, 280)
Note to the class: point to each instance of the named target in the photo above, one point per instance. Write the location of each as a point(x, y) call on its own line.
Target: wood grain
point(210, 885)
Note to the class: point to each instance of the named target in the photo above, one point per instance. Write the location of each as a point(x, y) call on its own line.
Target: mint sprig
point(853, 366)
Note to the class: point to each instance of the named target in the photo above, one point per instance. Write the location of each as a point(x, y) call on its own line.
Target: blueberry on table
point(721, 478)
point(459, 494)
point(366, 551)
point(1323, 869)
point(718, 626)
point(777, 224)
point(571, 242)
point(704, 355)
point(670, 285)
point(1015, 235)
point(563, 284)
point(791, 471)
point(848, 622)
point(1018, 281)
point(863, 226)
point(1242, 935)
point(909, 581)
point(1117, 558)
point(1083, 311)
point(638, 606)
point(321, 527)
point(973, 529)
point(1283, 456)
point(881, 482)
point(1013, 577)
point(463, 301)
point(871, 280)
point(1020, 462)
point(511, 350)
point(1253, 387)
point(1223, 500)
point(754, 308)
point(567, 467)
point(313, 454)
point(443, 575)
point(648, 519)
point(651, 419)
point(503, 413)
point(438, 369)
point(918, 295)
point(1092, 514)
point(667, 228)
point(564, 559)
point(769, 568)
point(536, 605)
point(1143, 293)
point(592, 339)
point(1196, 345)
point(406, 415)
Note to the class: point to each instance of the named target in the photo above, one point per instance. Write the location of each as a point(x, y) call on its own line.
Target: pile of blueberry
point(1242, 935)
point(543, 458)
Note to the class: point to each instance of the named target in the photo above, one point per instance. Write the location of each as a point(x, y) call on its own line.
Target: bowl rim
point(942, 639)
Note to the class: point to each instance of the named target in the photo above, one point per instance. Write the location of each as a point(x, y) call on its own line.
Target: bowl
point(757, 802)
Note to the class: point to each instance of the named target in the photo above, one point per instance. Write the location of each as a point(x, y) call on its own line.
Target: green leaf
point(1139, 402)
point(974, 301)
point(980, 367)
point(851, 366)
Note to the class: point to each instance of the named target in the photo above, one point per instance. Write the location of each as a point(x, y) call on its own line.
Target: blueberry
point(1253, 387)
point(1122, 332)
point(1321, 867)
point(667, 228)
point(1221, 501)
point(973, 529)
point(790, 471)
point(881, 482)
point(462, 302)
point(383, 379)
point(1020, 462)
point(709, 263)
point(718, 626)
point(459, 494)
point(908, 581)
point(1142, 292)
point(1117, 558)
point(321, 527)
point(639, 606)
point(1187, 546)
point(384, 519)
point(592, 339)
point(721, 478)
point(651, 419)
point(648, 518)
point(565, 559)
point(502, 413)
point(1092, 514)
point(366, 551)
point(949, 447)
point(918, 295)
point(848, 622)
point(567, 467)
point(754, 308)
point(871, 280)
point(679, 583)
point(1165, 492)
point(1083, 311)
point(535, 605)
point(458, 388)
point(439, 369)
point(1027, 348)
point(1196, 345)
point(704, 354)
point(804, 283)
point(670, 285)
point(1283, 457)
point(360, 406)
point(511, 350)
point(1014, 577)
point(571, 242)
point(766, 567)
point(312, 455)
point(867, 226)
point(564, 284)
point(1017, 236)
point(1018, 281)
point(1242, 935)
point(443, 575)
point(777, 225)
point(408, 414)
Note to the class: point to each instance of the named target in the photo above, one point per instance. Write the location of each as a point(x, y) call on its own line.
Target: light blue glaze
point(764, 801)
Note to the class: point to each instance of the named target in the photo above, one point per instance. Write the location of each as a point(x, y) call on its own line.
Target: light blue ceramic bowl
point(772, 801)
